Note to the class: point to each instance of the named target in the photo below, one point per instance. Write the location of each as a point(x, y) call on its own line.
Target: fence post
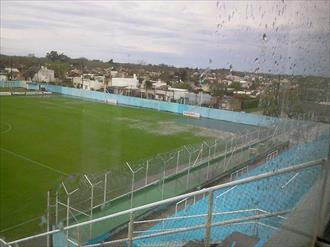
point(163, 185)
point(48, 218)
point(56, 209)
point(105, 188)
point(147, 169)
point(215, 146)
point(208, 162)
point(208, 220)
point(67, 214)
point(177, 163)
point(188, 175)
point(224, 159)
point(130, 230)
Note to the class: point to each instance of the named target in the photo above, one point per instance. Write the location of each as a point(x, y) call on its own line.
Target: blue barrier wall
point(12, 84)
point(237, 117)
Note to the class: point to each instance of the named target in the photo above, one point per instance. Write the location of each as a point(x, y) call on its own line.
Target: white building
point(44, 75)
point(125, 82)
point(88, 84)
point(245, 84)
point(158, 84)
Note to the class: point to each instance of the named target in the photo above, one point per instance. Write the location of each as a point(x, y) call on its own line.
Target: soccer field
point(45, 139)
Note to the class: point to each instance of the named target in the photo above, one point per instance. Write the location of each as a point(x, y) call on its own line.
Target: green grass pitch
point(43, 139)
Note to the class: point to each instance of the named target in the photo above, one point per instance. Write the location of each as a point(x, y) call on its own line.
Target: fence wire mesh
point(132, 184)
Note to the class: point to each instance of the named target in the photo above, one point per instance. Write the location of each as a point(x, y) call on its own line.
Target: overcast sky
point(277, 37)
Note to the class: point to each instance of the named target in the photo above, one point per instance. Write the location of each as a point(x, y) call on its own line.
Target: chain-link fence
point(91, 196)
point(258, 207)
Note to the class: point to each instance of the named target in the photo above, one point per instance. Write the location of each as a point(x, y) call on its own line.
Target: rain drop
point(264, 37)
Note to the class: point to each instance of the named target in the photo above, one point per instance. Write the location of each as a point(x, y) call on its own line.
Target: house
point(11, 73)
point(158, 84)
point(89, 82)
point(125, 82)
point(245, 84)
point(3, 77)
point(39, 74)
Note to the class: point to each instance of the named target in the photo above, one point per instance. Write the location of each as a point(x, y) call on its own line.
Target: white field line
point(33, 161)
point(19, 224)
point(9, 128)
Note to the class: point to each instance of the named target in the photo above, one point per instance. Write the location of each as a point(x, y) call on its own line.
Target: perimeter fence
point(132, 184)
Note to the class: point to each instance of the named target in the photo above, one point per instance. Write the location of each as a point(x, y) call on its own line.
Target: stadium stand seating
point(273, 194)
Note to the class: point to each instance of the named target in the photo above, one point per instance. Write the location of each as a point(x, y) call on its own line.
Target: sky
point(281, 36)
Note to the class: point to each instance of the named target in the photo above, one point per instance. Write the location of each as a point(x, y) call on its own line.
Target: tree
point(54, 56)
point(236, 85)
point(60, 69)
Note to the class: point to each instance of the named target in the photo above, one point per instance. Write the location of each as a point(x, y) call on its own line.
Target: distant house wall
point(88, 84)
point(125, 82)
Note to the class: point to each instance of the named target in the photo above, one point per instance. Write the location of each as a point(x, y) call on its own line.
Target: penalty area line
point(33, 161)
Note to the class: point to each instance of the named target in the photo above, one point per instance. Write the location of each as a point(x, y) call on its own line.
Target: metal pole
point(132, 189)
point(177, 162)
point(48, 218)
point(202, 148)
point(224, 160)
point(208, 163)
point(105, 188)
point(163, 185)
point(92, 199)
point(208, 220)
point(56, 209)
point(130, 230)
point(188, 175)
point(147, 169)
point(215, 146)
point(67, 213)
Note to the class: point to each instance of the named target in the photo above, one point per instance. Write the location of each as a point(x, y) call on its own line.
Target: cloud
point(183, 33)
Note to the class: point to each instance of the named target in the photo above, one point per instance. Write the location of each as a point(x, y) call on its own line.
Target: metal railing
point(209, 191)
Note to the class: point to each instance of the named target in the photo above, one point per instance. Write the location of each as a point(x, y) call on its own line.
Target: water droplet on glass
point(264, 37)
